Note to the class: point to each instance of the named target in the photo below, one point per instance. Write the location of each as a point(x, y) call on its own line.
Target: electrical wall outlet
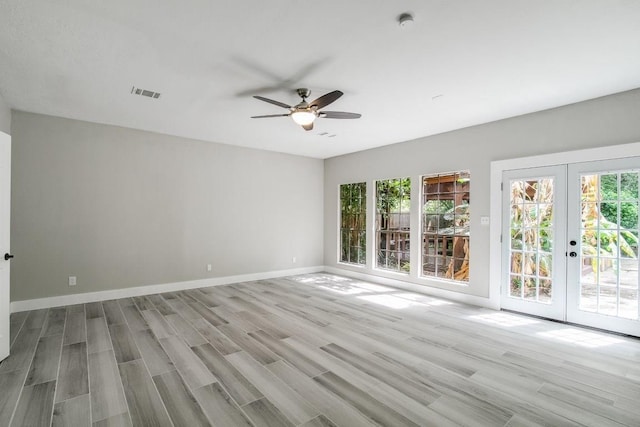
point(293, 260)
point(208, 267)
point(72, 280)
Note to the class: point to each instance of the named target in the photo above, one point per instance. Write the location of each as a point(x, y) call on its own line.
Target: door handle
point(7, 256)
point(573, 254)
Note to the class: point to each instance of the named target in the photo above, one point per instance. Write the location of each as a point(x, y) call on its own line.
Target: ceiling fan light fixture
point(303, 117)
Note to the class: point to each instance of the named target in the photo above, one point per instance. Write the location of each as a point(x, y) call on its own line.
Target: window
point(353, 223)
point(393, 205)
point(445, 226)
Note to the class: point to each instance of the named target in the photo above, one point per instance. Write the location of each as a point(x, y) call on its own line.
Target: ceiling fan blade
point(270, 115)
point(308, 127)
point(338, 115)
point(326, 99)
point(271, 101)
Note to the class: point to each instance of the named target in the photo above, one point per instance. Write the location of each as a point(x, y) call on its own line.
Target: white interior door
point(5, 211)
point(603, 276)
point(533, 241)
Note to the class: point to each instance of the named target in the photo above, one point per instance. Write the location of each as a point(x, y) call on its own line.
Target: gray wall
point(605, 121)
point(119, 208)
point(5, 117)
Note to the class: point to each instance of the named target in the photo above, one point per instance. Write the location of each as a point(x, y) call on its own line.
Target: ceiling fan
point(305, 113)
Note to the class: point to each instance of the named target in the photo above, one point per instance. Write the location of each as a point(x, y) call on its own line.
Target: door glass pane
point(609, 243)
point(531, 239)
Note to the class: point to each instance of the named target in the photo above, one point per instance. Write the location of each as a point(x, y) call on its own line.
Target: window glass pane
point(445, 224)
point(393, 223)
point(353, 223)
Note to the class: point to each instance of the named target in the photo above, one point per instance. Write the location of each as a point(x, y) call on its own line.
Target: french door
point(534, 241)
point(570, 243)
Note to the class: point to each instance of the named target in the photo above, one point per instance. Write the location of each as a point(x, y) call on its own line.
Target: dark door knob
point(573, 243)
point(573, 254)
point(7, 257)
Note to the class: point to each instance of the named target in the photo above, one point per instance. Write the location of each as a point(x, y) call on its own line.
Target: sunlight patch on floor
point(504, 319)
point(389, 301)
point(344, 289)
point(422, 299)
point(581, 337)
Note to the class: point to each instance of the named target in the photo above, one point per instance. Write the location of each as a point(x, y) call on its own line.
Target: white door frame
point(497, 169)
point(5, 212)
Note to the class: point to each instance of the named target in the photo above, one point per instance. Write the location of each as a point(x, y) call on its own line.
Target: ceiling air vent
point(144, 92)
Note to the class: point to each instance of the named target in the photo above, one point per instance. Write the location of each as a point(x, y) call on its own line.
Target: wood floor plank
point(73, 375)
point(183, 309)
point(328, 403)
point(119, 420)
point(231, 379)
point(134, 319)
point(143, 303)
point(264, 414)
point(44, 367)
point(205, 312)
point(264, 323)
point(75, 308)
point(290, 403)
point(113, 313)
point(205, 298)
point(107, 397)
point(76, 328)
point(152, 352)
point(36, 319)
point(98, 335)
point(416, 391)
point(15, 324)
point(375, 410)
point(125, 302)
point(11, 385)
point(319, 421)
point(161, 305)
point(194, 373)
point(22, 351)
point(588, 402)
point(158, 324)
point(54, 325)
point(248, 344)
point(185, 330)
point(180, 403)
point(72, 412)
point(233, 319)
point(145, 405)
point(289, 354)
point(124, 346)
point(219, 408)
point(216, 338)
point(93, 310)
point(35, 406)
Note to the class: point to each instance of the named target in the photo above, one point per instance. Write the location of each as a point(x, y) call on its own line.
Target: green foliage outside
point(628, 192)
point(393, 195)
point(353, 211)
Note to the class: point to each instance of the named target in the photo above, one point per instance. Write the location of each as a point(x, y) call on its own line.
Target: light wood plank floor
point(311, 350)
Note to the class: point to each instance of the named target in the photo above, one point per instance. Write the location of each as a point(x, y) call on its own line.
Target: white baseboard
point(34, 304)
point(427, 290)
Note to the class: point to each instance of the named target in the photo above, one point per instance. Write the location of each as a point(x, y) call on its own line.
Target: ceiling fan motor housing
point(303, 92)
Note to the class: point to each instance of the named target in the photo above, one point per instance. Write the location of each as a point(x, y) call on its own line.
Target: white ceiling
point(462, 63)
